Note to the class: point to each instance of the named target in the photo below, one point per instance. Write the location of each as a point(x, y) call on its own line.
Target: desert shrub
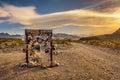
point(107, 43)
point(11, 41)
point(11, 44)
point(62, 41)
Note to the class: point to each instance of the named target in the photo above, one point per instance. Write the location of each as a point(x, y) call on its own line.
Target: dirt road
point(81, 62)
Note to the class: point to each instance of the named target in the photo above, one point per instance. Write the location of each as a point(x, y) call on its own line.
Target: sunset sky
point(79, 17)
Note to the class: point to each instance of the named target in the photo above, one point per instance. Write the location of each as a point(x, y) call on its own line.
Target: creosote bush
point(62, 41)
point(11, 41)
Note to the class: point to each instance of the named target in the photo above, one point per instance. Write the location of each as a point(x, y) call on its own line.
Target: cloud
point(103, 14)
point(18, 14)
point(1, 21)
point(3, 13)
point(107, 6)
point(77, 17)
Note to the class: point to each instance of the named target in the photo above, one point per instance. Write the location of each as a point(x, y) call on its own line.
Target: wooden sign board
point(34, 32)
point(31, 33)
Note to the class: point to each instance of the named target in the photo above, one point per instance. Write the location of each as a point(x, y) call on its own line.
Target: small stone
point(23, 64)
point(30, 65)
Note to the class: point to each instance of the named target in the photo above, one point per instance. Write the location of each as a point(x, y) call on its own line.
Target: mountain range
point(58, 36)
point(114, 35)
point(7, 35)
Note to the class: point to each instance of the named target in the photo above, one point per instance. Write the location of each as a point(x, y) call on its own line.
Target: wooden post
point(51, 52)
point(27, 59)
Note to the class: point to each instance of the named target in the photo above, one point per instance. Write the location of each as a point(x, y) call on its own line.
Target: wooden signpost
point(31, 33)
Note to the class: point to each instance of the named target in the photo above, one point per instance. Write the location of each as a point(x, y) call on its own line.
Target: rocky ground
point(10, 48)
point(79, 62)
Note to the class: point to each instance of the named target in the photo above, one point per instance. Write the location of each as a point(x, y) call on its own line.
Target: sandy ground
point(81, 62)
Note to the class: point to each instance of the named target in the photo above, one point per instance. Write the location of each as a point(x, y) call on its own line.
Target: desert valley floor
point(80, 62)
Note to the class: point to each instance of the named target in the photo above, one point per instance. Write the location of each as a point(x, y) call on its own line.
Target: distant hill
point(117, 33)
point(62, 36)
point(58, 36)
point(6, 35)
point(114, 35)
